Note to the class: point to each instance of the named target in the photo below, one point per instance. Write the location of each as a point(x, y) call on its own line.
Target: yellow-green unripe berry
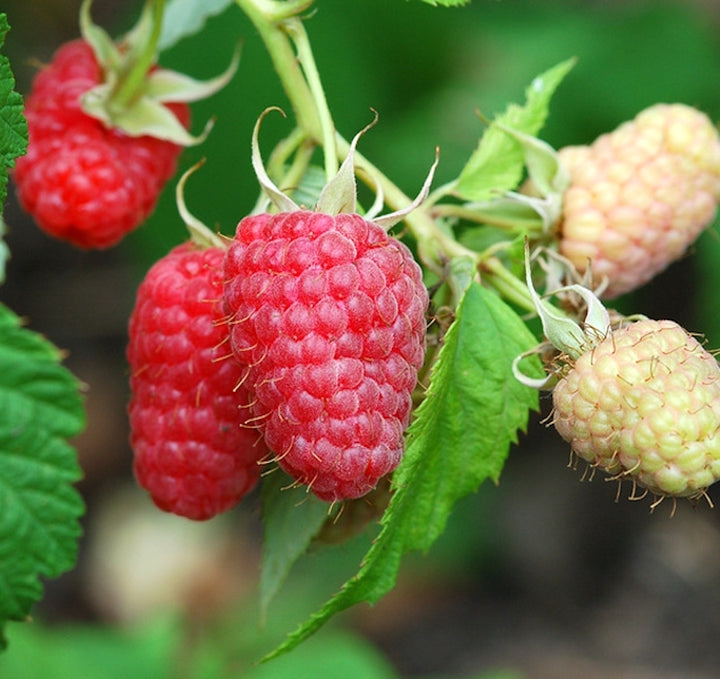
point(644, 405)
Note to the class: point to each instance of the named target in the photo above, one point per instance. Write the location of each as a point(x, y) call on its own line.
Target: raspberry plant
point(376, 362)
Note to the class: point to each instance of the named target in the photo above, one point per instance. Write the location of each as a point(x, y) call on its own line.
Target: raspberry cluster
point(301, 343)
point(84, 182)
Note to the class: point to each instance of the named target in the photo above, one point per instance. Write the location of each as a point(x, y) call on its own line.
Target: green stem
point(279, 28)
point(276, 11)
point(264, 16)
point(440, 192)
point(132, 82)
point(290, 178)
point(517, 224)
point(511, 288)
point(283, 150)
point(494, 273)
point(297, 32)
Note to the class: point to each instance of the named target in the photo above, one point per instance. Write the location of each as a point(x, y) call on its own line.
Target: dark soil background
point(545, 576)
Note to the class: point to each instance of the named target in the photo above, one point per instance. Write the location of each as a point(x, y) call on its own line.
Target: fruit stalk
point(267, 17)
point(132, 82)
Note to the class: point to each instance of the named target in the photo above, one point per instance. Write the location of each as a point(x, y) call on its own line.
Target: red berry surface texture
point(328, 316)
point(644, 404)
point(187, 410)
point(83, 182)
point(639, 196)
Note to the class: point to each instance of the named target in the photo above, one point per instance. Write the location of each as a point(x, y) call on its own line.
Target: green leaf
point(292, 518)
point(310, 187)
point(187, 17)
point(460, 437)
point(13, 133)
point(497, 164)
point(41, 407)
point(142, 651)
point(335, 654)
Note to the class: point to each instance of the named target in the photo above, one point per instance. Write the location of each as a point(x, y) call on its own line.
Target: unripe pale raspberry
point(644, 405)
point(84, 182)
point(639, 196)
point(193, 452)
point(328, 315)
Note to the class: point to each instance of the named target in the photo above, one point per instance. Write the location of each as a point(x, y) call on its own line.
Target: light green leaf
point(187, 17)
point(497, 164)
point(460, 437)
point(310, 187)
point(292, 518)
point(41, 407)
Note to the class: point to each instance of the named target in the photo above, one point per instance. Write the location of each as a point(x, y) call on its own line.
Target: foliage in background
point(41, 409)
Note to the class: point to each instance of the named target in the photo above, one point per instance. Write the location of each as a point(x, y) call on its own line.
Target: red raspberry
point(328, 315)
point(81, 181)
point(193, 453)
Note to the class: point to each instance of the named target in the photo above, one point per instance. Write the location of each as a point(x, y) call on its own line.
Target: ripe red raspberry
point(328, 315)
point(84, 182)
point(639, 196)
point(193, 453)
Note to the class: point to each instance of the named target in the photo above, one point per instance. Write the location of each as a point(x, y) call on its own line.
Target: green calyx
point(568, 336)
point(339, 194)
point(200, 233)
point(134, 91)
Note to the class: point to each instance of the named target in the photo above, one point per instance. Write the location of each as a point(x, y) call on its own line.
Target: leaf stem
point(283, 150)
point(496, 275)
point(518, 223)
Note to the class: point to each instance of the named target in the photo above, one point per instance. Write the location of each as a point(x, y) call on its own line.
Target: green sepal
point(168, 86)
point(145, 117)
point(340, 193)
point(134, 92)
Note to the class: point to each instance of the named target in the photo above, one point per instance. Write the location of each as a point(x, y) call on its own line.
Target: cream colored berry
point(644, 405)
point(639, 196)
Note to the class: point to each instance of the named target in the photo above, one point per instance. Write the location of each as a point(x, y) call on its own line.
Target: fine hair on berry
point(328, 316)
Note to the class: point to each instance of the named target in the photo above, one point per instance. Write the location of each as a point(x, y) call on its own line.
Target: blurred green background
point(542, 576)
